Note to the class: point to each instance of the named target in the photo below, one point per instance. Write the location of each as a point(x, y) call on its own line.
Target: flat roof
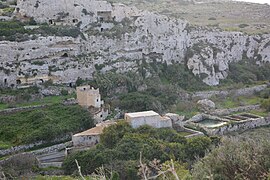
point(142, 114)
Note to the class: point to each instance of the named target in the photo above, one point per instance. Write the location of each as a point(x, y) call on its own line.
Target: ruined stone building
point(150, 118)
point(90, 98)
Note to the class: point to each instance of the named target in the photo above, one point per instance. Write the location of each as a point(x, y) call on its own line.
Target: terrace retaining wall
point(240, 126)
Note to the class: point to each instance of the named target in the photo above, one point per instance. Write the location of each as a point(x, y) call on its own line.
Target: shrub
point(266, 105)
point(212, 18)
point(243, 25)
point(64, 92)
point(235, 159)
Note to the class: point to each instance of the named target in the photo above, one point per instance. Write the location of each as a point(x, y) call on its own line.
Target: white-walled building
point(150, 118)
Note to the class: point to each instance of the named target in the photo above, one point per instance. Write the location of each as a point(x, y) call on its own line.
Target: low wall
point(223, 112)
point(50, 164)
point(240, 126)
point(194, 133)
point(13, 110)
point(236, 92)
point(200, 117)
point(25, 147)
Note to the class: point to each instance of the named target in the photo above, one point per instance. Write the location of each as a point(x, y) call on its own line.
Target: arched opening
point(50, 21)
point(75, 20)
point(17, 10)
point(41, 81)
point(18, 81)
point(65, 55)
point(70, 84)
point(101, 29)
point(5, 81)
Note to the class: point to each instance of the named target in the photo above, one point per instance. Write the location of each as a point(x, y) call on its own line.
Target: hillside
point(203, 66)
point(250, 18)
point(103, 37)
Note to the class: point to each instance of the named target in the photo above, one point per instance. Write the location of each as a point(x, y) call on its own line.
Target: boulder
point(176, 119)
point(206, 105)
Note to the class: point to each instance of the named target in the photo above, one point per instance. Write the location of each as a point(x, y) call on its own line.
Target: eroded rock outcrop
point(117, 37)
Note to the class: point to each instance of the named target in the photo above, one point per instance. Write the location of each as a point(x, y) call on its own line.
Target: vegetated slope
point(42, 124)
point(236, 158)
point(231, 16)
point(120, 147)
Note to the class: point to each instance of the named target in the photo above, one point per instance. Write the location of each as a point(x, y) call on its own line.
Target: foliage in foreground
point(43, 124)
point(121, 145)
point(236, 159)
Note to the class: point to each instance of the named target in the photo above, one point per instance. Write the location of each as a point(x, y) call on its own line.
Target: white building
point(150, 118)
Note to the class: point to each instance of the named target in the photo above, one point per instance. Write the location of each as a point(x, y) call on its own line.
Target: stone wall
point(14, 110)
point(234, 92)
point(241, 126)
point(25, 147)
point(223, 112)
point(85, 140)
point(153, 121)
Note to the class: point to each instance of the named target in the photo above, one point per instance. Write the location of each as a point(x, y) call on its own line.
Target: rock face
point(117, 37)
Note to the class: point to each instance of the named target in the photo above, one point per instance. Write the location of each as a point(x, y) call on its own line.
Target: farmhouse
point(150, 118)
point(91, 136)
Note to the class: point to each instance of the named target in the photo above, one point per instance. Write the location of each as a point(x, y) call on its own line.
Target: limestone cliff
point(119, 37)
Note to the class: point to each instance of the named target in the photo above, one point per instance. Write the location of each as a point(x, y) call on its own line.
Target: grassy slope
point(42, 124)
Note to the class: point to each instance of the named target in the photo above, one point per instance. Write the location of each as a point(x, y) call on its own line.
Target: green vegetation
point(121, 145)
point(232, 102)
point(247, 72)
point(15, 31)
point(31, 97)
point(42, 124)
point(134, 91)
point(236, 158)
point(266, 105)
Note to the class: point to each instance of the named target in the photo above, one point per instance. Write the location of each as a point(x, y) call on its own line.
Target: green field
point(42, 124)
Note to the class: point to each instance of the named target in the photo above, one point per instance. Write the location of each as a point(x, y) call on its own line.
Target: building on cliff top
point(91, 136)
point(150, 118)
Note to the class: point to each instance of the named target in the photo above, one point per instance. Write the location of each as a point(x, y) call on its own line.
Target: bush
point(266, 105)
point(121, 143)
point(247, 72)
point(235, 159)
point(64, 92)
